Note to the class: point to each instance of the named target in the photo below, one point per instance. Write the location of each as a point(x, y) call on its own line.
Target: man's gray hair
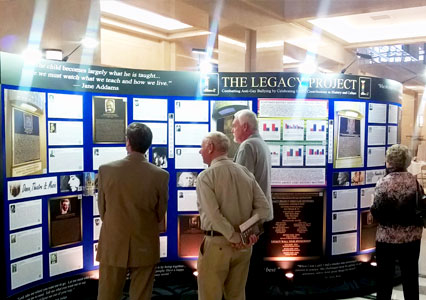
point(398, 157)
point(219, 140)
point(248, 117)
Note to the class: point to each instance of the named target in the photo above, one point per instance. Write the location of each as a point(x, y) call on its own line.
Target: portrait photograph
point(186, 179)
point(109, 119)
point(159, 157)
point(65, 221)
point(71, 183)
point(341, 178)
point(358, 178)
point(89, 186)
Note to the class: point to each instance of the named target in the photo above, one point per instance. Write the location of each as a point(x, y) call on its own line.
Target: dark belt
point(212, 233)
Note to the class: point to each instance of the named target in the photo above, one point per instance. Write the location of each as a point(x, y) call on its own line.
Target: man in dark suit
point(132, 200)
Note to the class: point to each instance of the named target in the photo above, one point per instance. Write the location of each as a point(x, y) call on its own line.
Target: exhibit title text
point(288, 82)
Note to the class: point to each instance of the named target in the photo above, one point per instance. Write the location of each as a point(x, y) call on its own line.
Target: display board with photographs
point(58, 134)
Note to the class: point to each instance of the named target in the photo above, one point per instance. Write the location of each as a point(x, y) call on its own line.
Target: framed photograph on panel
point(109, 120)
point(65, 221)
point(349, 139)
point(190, 235)
point(71, 183)
point(25, 133)
point(368, 227)
point(186, 179)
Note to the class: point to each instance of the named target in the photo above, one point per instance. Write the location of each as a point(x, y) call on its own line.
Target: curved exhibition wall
point(327, 134)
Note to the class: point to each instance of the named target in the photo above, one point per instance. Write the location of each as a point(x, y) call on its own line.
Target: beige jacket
point(132, 200)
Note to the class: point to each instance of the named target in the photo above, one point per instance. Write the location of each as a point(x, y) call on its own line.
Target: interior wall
point(270, 59)
point(126, 51)
point(231, 57)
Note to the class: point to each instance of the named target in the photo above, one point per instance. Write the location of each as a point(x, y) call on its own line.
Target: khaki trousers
point(112, 280)
point(222, 270)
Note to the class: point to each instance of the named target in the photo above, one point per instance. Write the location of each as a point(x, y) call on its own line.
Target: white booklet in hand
point(249, 227)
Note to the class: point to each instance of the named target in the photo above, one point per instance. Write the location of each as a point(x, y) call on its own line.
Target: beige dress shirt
point(228, 195)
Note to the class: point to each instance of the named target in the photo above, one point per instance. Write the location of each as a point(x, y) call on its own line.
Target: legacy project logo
point(209, 84)
point(364, 86)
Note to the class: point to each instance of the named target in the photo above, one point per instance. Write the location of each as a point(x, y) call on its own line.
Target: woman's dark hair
point(139, 136)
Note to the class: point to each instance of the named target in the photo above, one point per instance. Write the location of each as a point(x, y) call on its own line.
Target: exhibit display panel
point(327, 136)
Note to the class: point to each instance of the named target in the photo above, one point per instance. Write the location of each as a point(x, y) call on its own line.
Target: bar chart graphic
point(270, 130)
point(294, 130)
point(275, 154)
point(293, 155)
point(315, 155)
point(316, 130)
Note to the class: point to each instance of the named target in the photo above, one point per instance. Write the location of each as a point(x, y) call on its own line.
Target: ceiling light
point(270, 44)
point(89, 42)
point(400, 24)
point(199, 51)
point(53, 54)
point(141, 15)
point(133, 28)
point(231, 41)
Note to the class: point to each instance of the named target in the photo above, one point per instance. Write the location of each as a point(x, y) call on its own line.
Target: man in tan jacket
point(132, 200)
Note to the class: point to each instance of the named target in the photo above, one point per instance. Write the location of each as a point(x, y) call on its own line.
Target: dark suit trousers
point(112, 280)
point(408, 256)
point(256, 285)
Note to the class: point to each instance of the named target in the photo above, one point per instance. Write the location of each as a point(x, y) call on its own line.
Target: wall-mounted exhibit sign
point(297, 231)
point(327, 136)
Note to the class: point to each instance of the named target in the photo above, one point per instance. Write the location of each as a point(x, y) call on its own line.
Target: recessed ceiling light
point(141, 15)
point(380, 17)
point(53, 54)
point(231, 41)
point(391, 25)
point(270, 44)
